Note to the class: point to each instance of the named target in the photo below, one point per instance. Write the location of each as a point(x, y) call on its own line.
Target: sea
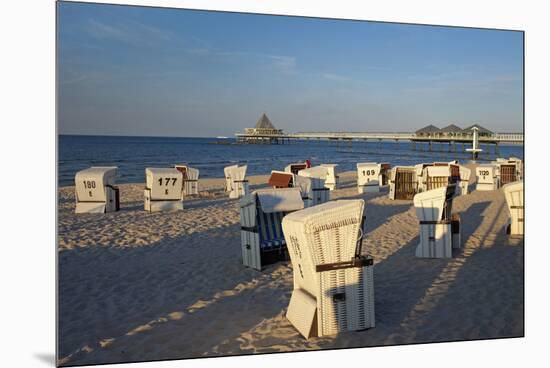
point(210, 155)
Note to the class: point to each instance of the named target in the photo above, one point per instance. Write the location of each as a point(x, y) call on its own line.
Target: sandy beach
point(139, 286)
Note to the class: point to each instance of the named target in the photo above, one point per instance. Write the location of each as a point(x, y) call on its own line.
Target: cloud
point(131, 32)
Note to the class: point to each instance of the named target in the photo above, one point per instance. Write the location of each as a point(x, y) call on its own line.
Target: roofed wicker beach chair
point(487, 177)
point(403, 182)
point(190, 179)
point(513, 192)
point(95, 190)
point(236, 181)
point(371, 176)
point(227, 175)
point(332, 178)
point(163, 188)
point(439, 230)
point(441, 175)
point(261, 213)
point(312, 184)
point(333, 283)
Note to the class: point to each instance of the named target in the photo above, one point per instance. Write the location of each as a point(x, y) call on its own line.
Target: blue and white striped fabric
point(270, 229)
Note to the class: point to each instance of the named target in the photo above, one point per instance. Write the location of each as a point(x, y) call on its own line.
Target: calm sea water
point(133, 154)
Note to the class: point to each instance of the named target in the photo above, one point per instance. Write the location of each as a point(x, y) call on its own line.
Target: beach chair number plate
point(167, 181)
point(89, 184)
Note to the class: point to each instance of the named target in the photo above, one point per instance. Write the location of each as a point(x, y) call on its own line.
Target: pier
point(426, 137)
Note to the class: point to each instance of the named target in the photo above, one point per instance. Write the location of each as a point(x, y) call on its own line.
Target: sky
point(137, 71)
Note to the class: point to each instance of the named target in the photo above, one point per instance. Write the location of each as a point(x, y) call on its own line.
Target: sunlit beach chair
point(465, 174)
point(439, 230)
point(261, 213)
point(513, 192)
point(333, 284)
point(332, 178)
point(403, 182)
point(95, 190)
point(369, 177)
point(163, 188)
point(238, 182)
point(312, 184)
point(190, 179)
point(441, 175)
point(295, 167)
point(487, 177)
point(227, 175)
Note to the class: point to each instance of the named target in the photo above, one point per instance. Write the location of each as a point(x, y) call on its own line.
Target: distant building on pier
point(263, 132)
point(481, 131)
point(452, 131)
point(263, 127)
point(430, 131)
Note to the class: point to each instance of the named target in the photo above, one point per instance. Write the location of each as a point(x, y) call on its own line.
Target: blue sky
point(170, 72)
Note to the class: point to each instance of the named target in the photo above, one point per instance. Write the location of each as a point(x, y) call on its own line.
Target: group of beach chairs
point(165, 188)
point(295, 219)
point(333, 281)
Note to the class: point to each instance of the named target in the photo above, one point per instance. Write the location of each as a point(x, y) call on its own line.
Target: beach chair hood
point(280, 200)
point(314, 172)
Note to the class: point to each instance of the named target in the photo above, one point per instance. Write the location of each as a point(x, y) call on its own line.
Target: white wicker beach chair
point(513, 192)
point(403, 182)
point(236, 180)
point(95, 190)
point(163, 188)
point(487, 177)
point(442, 175)
point(369, 177)
point(312, 184)
point(439, 230)
point(332, 178)
point(227, 175)
point(190, 180)
point(333, 284)
point(261, 213)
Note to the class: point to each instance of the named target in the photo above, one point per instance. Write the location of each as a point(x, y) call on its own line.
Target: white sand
point(137, 286)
